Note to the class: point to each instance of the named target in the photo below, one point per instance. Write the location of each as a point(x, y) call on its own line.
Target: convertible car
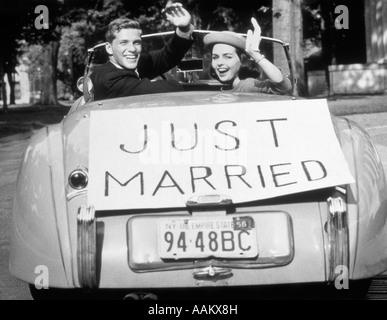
point(203, 188)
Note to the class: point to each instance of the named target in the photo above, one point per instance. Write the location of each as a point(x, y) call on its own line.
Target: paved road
point(11, 149)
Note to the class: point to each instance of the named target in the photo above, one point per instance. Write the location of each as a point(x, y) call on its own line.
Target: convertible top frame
point(90, 53)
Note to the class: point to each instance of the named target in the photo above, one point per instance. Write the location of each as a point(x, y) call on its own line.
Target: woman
point(238, 62)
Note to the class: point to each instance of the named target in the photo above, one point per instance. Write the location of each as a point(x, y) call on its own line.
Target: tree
point(61, 14)
point(76, 25)
point(338, 46)
point(233, 15)
point(3, 89)
point(33, 58)
point(49, 38)
point(10, 28)
point(287, 26)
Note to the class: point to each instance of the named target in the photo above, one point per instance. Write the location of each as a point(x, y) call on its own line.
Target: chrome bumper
point(87, 248)
point(338, 236)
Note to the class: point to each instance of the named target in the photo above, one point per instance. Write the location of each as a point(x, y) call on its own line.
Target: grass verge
point(24, 119)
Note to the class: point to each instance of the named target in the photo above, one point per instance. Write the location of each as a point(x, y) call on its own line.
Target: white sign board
point(161, 157)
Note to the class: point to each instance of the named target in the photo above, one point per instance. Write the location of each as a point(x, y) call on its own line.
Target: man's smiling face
point(126, 48)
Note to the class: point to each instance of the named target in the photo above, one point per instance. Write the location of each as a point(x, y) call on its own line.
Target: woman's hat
point(226, 37)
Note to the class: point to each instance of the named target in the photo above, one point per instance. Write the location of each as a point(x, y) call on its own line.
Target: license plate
point(184, 238)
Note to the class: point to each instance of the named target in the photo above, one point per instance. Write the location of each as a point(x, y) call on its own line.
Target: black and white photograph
point(194, 154)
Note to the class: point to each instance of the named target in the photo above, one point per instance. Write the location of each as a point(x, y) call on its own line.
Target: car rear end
point(210, 241)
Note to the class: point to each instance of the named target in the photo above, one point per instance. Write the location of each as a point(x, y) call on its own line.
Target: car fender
point(367, 202)
point(40, 226)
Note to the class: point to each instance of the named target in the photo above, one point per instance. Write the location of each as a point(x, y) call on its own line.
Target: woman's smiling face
point(225, 62)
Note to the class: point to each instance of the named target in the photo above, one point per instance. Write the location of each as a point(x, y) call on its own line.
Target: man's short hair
point(118, 24)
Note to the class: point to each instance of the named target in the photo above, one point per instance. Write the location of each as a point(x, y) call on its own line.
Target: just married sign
point(161, 157)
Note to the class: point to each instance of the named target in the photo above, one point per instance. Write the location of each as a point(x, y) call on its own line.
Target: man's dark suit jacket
point(112, 82)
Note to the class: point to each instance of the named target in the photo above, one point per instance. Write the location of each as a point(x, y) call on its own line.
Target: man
point(129, 70)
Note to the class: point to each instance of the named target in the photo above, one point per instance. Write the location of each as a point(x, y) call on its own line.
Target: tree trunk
point(11, 87)
point(328, 43)
point(3, 88)
point(287, 26)
point(3, 92)
point(49, 76)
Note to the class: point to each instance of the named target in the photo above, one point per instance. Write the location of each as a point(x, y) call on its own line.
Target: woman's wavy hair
point(249, 68)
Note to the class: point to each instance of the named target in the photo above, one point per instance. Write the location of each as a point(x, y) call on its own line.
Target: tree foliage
point(333, 46)
point(11, 25)
point(76, 25)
